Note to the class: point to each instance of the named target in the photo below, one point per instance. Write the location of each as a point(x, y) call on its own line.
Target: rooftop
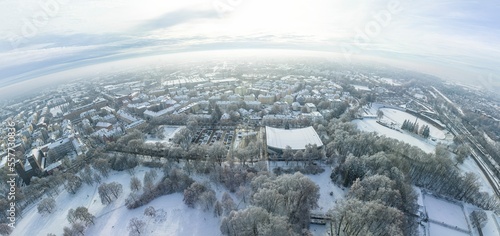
point(297, 139)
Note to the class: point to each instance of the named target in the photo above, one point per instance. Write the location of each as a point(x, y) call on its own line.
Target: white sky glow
point(450, 34)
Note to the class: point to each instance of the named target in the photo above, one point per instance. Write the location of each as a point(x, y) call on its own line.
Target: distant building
point(288, 99)
point(248, 98)
point(148, 114)
point(126, 117)
point(310, 107)
point(136, 125)
point(240, 90)
point(266, 99)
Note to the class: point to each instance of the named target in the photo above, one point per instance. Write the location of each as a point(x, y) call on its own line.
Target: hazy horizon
point(454, 40)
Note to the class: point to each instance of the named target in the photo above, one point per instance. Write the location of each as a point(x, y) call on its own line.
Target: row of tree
point(379, 171)
point(415, 128)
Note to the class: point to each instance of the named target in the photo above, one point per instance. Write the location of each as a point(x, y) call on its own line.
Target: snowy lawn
point(113, 219)
point(326, 201)
point(398, 117)
point(318, 230)
point(445, 212)
point(438, 230)
point(491, 228)
point(371, 125)
point(470, 165)
point(179, 220)
point(168, 133)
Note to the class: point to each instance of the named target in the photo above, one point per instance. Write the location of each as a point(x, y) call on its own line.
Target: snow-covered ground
point(470, 165)
point(445, 212)
point(361, 88)
point(371, 125)
point(439, 230)
point(491, 228)
point(180, 219)
point(318, 230)
point(113, 219)
point(390, 81)
point(168, 133)
point(398, 117)
point(326, 201)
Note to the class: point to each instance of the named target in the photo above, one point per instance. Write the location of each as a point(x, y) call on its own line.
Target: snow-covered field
point(470, 166)
point(168, 133)
point(326, 201)
point(439, 230)
point(491, 228)
point(445, 212)
point(318, 230)
point(180, 219)
point(398, 117)
point(114, 218)
point(371, 125)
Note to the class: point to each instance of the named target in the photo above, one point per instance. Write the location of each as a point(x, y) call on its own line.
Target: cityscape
point(249, 118)
point(218, 129)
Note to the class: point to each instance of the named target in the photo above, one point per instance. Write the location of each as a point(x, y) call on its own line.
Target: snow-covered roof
point(295, 138)
point(103, 124)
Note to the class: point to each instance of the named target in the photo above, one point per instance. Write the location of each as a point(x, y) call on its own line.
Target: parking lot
point(211, 136)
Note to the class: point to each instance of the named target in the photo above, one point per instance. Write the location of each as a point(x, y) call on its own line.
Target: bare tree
point(86, 175)
point(73, 184)
point(136, 226)
point(478, 219)
point(207, 200)
point(97, 178)
point(380, 114)
point(47, 205)
point(228, 203)
point(150, 211)
point(76, 229)
point(217, 153)
point(218, 209)
point(135, 184)
point(109, 192)
point(102, 165)
point(82, 214)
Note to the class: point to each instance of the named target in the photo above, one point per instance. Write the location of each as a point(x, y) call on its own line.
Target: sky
point(454, 39)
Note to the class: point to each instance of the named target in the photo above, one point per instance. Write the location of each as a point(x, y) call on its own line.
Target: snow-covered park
point(371, 125)
point(448, 218)
point(439, 230)
point(445, 212)
point(114, 218)
point(168, 134)
point(395, 118)
point(398, 117)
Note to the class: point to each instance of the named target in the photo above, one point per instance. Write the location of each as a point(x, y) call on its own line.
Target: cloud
point(174, 18)
point(454, 34)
